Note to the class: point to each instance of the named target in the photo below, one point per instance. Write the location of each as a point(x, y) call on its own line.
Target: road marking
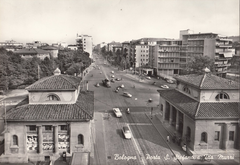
point(137, 146)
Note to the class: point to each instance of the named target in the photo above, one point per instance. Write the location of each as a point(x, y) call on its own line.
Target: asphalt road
point(106, 98)
point(146, 146)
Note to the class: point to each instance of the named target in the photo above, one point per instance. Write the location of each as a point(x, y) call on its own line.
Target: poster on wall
point(32, 142)
point(63, 141)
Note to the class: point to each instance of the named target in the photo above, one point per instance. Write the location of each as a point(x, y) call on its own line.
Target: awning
point(228, 54)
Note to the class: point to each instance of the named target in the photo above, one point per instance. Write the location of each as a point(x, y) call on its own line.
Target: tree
point(197, 63)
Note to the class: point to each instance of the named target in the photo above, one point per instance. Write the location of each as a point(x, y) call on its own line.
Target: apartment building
point(213, 45)
point(85, 43)
point(139, 51)
point(113, 44)
point(164, 57)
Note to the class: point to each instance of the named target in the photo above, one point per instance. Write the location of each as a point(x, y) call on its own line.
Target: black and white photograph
point(119, 82)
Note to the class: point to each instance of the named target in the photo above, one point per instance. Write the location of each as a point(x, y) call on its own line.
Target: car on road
point(170, 81)
point(112, 72)
point(149, 78)
point(117, 112)
point(122, 86)
point(126, 132)
point(126, 94)
point(164, 86)
point(112, 76)
point(97, 85)
point(118, 79)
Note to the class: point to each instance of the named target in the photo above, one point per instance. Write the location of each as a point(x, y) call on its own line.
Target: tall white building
point(85, 43)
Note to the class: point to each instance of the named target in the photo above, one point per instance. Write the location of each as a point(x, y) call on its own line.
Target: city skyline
point(114, 20)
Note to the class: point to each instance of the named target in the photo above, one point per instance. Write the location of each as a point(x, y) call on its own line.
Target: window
point(32, 128)
point(15, 140)
point(53, 98)
point(80, 139)
point(188, 134)
point(204, 137)
point(63, 127)
point(217, 135)
point(222, 96)
point(161, 107)
point(48, 128)
point(231, 135)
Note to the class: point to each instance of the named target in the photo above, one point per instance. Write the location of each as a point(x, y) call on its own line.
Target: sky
point(54, 21)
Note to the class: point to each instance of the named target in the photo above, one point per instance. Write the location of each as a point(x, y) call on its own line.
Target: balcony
point(226, 53)
point(223, 39)
point(159, 56)
point(224, 45)
point(222, 65)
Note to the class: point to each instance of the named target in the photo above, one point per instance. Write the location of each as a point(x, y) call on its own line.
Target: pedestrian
point(168, 138)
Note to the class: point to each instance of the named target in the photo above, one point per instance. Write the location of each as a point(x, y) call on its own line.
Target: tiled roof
point(49, 48)
point(31, 51)
point(83, 109)
point(26, 51)
point(218, 110)
point(208, 81)
point(54, 82)
point(196, 110)
point(180, 101)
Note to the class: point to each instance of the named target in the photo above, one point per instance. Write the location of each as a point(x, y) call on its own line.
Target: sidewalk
point(166, 129)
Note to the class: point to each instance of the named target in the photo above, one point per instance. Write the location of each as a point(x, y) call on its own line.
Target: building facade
point(165, 57)
point(55, 118)
point(85, 43)
point(204, 109)
point(213, 45)
point(33, 52)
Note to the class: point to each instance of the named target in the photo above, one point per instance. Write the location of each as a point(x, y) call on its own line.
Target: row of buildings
point(42, 50)
point(170, 56)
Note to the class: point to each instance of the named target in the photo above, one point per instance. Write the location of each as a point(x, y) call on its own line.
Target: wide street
point(147, 146)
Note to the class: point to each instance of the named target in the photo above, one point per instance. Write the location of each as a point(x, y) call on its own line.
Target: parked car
point(112, 72)
point(170, 81)
point(150, 100)
point(117, 112)
point(164, 86)
point(126, 132)
point(122, 86)
point(112, 80)
point(112, 76)
point(126, 94)
point(97, 85)
point(116, 90)
point(149, 78)
point(118, 79)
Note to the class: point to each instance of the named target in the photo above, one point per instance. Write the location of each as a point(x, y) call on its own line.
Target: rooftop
point(82, 110)
point(56, 82)
point(208, 81)
point(196, 110)
point(31, 51)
